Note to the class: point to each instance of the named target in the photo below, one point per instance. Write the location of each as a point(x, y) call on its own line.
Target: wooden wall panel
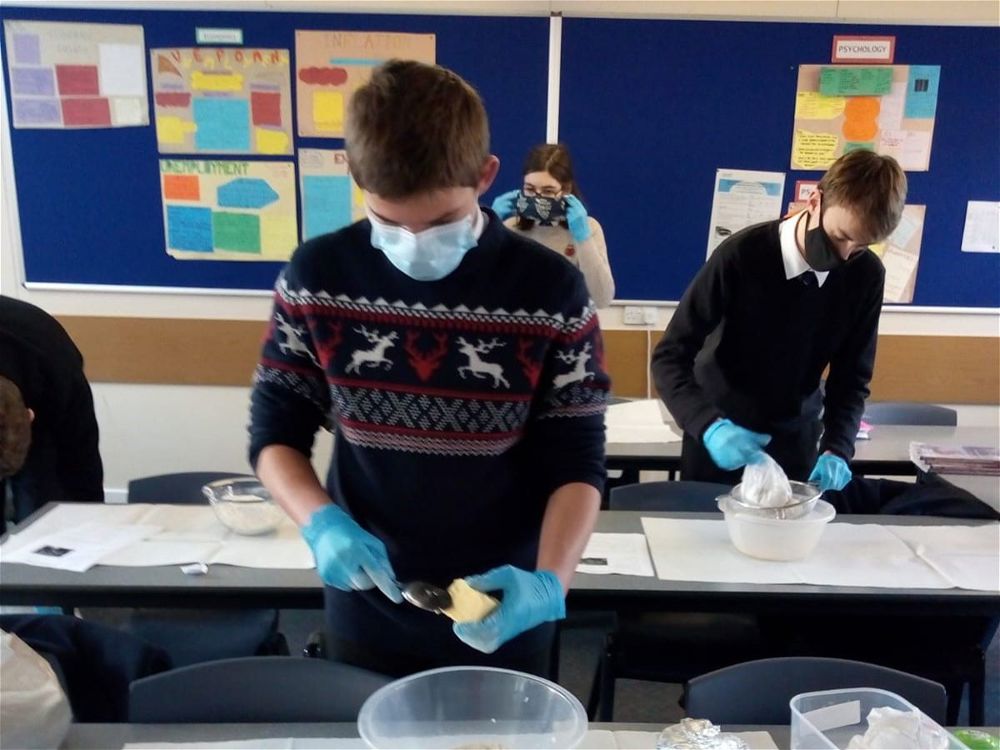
point(940, 369)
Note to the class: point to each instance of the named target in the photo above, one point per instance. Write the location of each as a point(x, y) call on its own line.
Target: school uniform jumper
point(458, 406)
point(751, 339)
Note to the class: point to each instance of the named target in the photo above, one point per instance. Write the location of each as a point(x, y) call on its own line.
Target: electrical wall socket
point(650, 316)
point(633, 316)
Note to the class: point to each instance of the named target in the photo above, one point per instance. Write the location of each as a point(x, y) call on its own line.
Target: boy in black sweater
point(740, 363)
point(461, 369)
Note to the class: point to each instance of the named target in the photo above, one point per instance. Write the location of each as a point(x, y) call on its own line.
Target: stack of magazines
point(956, 459)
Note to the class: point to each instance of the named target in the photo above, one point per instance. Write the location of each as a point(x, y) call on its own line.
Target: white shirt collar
point(795, 264)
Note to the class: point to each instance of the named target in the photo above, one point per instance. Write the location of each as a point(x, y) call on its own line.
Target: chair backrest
point(685, 497)
point(909, 412)
point(758, 692)
point(254, 689)
point(183, 487)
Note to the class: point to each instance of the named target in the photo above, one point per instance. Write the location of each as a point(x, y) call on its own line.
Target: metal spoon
point(426, 596)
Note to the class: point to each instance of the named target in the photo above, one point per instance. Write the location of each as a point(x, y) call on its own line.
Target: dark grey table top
point(227, 586)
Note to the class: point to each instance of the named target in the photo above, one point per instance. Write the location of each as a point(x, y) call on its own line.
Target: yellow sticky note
point(328, 111)
point(170, 129)
point(279, 234)
point(812, 105)
point(813, 150)
point(878, 248)
point(201, 81)
point(271, 141)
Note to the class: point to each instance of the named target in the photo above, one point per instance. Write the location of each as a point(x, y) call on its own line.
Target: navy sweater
point(458, 405)
point(762, 342)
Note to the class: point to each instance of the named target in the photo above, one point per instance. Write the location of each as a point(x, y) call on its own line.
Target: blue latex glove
point(576, 219)
point(831, 472)
point(347, 556)
point(529, 599)
point(504, 205)
point(732, 446)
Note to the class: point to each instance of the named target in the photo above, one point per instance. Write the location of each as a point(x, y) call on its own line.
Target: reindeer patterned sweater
point(458, 406)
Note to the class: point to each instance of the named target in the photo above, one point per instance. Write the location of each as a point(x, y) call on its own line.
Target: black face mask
point(821, 254)
point(545, 211)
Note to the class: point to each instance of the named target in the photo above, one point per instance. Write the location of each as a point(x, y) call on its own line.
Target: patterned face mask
point(545, 211)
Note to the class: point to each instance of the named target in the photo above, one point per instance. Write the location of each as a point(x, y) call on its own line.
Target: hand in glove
point(732, 446)
point(347, 556)
point(831, 472)
point(529, 599)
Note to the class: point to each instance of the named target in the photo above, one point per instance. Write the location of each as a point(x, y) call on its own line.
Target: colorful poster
point(888, 109)
point(222, 100)
point(330, 198)
point(229, 210)
point(743, 198)
point(331, 65)
point(900, 255)
point(76, 75)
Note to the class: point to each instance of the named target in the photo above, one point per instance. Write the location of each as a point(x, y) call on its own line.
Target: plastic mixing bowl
point(244, 505)
point(472, 707)
point(776, 538)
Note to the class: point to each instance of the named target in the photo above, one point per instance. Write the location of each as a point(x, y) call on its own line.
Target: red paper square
point(86, 112)
point(266, 108)
point(77, 80)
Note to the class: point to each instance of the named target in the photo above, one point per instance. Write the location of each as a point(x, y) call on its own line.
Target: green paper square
point(237, 232)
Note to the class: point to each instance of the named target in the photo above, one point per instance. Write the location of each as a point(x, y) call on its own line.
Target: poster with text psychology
point(888, 109)
point(228, 209)
point(332, 65)
point(222, 100)
point(76, 75)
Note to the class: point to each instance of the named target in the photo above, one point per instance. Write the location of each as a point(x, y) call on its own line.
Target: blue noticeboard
point(89, 199)
point(651, 108)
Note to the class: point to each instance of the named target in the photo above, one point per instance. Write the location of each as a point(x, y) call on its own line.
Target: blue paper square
point(223, 124)
point(326, 202)
point(189, 228)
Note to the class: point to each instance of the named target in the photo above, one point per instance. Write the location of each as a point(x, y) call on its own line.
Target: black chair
point(669, 646)
point(758, 692)
point(189, 635)
point(909, 412)
point(254, 689)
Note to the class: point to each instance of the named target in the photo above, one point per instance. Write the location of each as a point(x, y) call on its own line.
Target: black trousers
point(795, 451)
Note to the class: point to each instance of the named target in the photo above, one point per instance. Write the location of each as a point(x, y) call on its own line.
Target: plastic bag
point(765, 484)
point(34, 711)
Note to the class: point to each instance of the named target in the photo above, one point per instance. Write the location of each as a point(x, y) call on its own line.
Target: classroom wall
point(155, 428)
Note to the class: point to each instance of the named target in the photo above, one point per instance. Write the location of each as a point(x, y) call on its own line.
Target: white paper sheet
point(968, 556)
point(78, 548)
point(742, 198)
point(642, 421)
point(181, 534)
point(848, 555)
point(624, 554)
point(982, 227)
point(122, 70)
point(264, 743)
point(603, 739)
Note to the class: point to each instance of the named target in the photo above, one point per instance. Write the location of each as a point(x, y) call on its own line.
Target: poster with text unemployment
point(330, 198)
point(900, 255)
point(229, 210)
point(331, 65)
point(76, 75)
point(888, 109)
point(226, 101)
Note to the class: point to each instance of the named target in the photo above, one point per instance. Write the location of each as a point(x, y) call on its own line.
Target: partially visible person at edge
point(48, 430)
point(547, 208)
point(469, 440)
point(740, 363)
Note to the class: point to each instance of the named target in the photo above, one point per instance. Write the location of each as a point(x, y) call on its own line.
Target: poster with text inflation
point(76, 75)
point(225, 100)
point(900, 255)
point(330, 198)
point(888, 109)
point(331, 65)
point(229, 210)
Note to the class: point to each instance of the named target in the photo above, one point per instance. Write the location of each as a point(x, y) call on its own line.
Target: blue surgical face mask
point(428, 255)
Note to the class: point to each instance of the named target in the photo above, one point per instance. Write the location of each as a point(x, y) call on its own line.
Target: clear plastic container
point(244, 505)
point(775, 538)
point(472, 707)
point(828, 719)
